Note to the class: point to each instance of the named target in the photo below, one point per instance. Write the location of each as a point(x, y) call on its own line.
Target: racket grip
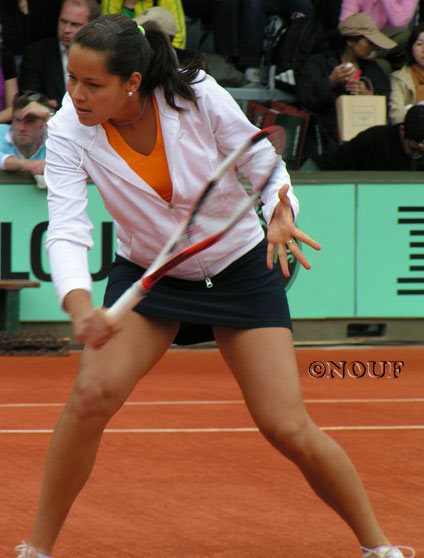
point(126, 301)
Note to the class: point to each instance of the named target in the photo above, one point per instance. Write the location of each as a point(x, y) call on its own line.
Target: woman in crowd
point(407, 84)
point(346, 69)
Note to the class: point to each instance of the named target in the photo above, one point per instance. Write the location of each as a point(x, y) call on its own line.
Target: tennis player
point(150, 135)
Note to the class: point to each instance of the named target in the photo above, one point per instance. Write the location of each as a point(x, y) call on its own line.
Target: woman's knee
point(92, 401)
point(292, 437)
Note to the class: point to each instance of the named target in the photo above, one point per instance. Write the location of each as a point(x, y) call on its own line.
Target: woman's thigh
point(112, 372)
point(264, 364)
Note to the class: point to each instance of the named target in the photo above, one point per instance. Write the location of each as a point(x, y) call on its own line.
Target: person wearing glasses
point(22, 143)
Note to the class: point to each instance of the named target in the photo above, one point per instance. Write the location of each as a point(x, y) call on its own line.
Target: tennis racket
point(211, 217)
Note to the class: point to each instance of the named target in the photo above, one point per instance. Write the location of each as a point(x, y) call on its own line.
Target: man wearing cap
point(22, 143)
point(399, 147)
point(347, 69)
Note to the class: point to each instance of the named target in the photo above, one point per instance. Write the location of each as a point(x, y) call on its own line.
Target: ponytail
point(164, 69)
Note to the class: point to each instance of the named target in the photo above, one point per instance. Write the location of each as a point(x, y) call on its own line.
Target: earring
point(130, 93)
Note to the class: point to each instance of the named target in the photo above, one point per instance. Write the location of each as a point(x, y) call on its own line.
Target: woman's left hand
point(282, 234)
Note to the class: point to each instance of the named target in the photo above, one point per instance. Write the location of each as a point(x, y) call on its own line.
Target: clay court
point(182, 471)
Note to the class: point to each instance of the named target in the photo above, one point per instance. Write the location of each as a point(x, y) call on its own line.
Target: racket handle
point(126, 301)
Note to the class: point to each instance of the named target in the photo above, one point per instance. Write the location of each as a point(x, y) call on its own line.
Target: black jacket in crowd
point(379, 148)
point(42, 70)
point(315, 92)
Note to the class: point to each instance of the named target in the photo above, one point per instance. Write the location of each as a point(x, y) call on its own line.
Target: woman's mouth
point(82, 111)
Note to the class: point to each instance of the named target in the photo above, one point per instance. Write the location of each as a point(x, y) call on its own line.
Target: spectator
point(399, 147)
point(166, 20)
point(393, 17)
point(385, 13)
point(222, 18)
point(327, 12)
point(43, 66)
point(22, 143)
point(163, 17)
point(8, 86)
point(27, 21)
point(407, 84)
point(253, 18)
point(224, 73)
point(133, 8)
point(327, 75)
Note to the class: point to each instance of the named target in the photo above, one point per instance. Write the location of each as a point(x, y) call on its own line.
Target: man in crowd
point(43, 66)
point(22, 143)
point(398, 147)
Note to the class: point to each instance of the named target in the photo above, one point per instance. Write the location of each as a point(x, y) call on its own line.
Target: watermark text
point(355, 369)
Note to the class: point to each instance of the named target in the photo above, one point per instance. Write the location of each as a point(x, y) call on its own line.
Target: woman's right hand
point(341, 74)
point(94, 328)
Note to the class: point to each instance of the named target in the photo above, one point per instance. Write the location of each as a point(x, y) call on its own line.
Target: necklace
point(139, 115)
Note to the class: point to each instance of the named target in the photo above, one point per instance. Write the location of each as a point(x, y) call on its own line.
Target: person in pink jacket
point(386, 13)
point(394, 18)
point(149, 134)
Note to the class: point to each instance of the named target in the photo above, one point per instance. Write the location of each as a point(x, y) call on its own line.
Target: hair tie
point(142, 29)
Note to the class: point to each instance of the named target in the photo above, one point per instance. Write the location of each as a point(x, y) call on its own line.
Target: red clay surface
point(182, 471)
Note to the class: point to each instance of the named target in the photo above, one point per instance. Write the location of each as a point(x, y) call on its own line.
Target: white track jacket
point(196, 141)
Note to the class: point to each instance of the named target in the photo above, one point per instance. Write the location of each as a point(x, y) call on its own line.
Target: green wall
point(23, 219)
point(370, 226)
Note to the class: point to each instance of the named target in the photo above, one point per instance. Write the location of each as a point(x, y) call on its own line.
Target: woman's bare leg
point(264, 364)
point(105, 380)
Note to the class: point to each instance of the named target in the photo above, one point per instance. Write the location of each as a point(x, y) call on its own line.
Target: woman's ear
point(134, 82)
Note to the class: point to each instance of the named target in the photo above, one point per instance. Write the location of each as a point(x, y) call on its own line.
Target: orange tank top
point(152, 168)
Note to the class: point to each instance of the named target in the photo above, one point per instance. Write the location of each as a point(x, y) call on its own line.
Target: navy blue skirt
point(244, 295)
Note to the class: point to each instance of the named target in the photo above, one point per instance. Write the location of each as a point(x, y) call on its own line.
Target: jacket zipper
point(208, 280)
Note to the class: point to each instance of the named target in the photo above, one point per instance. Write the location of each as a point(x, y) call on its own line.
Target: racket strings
point(220, 206)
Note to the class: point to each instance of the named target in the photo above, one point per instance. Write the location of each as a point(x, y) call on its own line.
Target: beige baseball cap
point(162, 16)
point(363, 25)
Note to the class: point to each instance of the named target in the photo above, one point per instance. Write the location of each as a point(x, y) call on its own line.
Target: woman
point(330, 74)
point(127, 103)
point(407, 84)
point(394, 19)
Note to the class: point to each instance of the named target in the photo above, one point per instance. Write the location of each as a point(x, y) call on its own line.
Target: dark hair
point(93, 6)
point(128, 50)
point(416, 31)
point(21, 100)
point(414, 123)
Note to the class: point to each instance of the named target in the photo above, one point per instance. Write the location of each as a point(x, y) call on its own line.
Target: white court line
point(227, 402)
point(214, 430)
point(223, 402)
point(132, 403)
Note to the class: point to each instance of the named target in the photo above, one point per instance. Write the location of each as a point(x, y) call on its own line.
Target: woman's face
point(418, 50)
point(96, 94)
point(363, 48)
